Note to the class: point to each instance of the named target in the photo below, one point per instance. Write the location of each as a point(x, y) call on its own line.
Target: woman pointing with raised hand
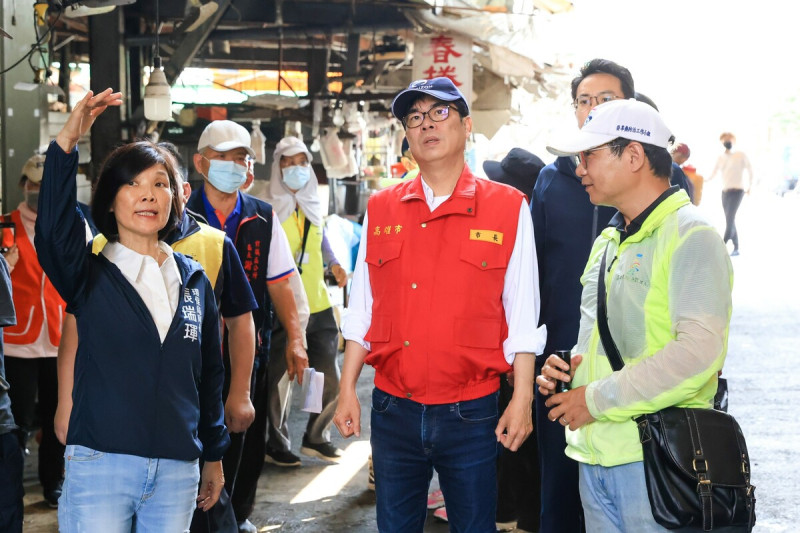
point(147, 395)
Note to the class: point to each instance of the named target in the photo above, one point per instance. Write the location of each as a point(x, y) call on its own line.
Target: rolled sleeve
point(521, 293)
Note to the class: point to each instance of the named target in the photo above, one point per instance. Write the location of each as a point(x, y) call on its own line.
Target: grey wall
point(20, 111)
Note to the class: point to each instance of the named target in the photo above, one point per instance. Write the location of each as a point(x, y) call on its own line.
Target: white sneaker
point(246, 526)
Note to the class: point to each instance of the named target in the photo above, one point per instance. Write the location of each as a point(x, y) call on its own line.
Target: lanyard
point(304, 233)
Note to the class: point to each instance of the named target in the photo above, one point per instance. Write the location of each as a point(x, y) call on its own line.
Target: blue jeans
point(410, 439)
point(116, 493)
point(615, 499)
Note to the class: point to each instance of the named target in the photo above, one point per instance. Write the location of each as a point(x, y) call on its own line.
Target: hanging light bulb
point(157, 97)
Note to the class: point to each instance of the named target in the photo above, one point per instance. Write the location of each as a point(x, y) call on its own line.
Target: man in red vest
point(444, 301)
point(32, 345)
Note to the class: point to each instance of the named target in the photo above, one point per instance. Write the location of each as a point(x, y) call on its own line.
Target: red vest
point(34, 295)
point(438, 322)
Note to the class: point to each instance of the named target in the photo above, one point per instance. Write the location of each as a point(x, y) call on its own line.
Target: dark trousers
point(242, 462)
point(561, 502)
point(731, 200)
point(322, 335)
point(31, 379)
point(11, 491)
point(518, 478)
point(247, 451)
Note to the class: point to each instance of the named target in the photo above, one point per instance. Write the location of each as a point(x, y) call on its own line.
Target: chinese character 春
point(443, 49)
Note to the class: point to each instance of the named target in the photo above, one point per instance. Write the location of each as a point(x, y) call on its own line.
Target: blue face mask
point(226, 176)
point(296, 177)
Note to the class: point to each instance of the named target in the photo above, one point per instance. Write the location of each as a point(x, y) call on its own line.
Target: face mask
point(226, 176)
point(32, 199)
point(728, 145)
point(295, 177)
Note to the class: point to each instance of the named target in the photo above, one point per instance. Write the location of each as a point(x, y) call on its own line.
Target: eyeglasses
point(583, 101)
point(437, 113)
point(580, 159)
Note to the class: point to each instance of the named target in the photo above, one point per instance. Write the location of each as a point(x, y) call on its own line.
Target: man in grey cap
point(668, 279)
point(442, 303)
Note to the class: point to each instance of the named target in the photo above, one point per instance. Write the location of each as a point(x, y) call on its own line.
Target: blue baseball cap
point(440, 88)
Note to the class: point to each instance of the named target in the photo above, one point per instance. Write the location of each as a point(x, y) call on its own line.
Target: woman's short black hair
point(122, 166)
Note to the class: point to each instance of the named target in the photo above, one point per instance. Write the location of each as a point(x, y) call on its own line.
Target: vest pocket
point(478, 333)
point(381, 253)
point(484, 256)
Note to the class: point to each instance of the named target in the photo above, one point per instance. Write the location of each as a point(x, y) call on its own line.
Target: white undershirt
point(159, 287)
point(520, 290)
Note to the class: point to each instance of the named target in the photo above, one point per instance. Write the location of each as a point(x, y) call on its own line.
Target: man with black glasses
point(669, 280)
point(442, 303)
point(566, 224)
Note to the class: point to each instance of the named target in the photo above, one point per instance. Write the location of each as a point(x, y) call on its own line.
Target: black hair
point(645, 100)
point(180, 164)
point(604, 66)
point(122, 166)
point(659, 158)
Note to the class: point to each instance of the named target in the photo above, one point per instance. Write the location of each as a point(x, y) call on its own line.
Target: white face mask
point(295, 177)
point(226, 176)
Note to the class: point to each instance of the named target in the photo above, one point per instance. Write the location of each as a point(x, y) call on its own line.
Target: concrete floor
point(762, 362)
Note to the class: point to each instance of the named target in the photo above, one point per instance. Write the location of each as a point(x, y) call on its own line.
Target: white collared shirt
point(520, 291)
point(159, 287)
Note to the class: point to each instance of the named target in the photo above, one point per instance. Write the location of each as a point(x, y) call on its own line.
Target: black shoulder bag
point(695, 460)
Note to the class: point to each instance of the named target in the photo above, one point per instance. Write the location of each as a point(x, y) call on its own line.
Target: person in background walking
point(731, 165)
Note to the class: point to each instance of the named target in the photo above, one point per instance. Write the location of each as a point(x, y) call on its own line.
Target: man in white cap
point(32, 344)
point(668, 282)
point(224, 158)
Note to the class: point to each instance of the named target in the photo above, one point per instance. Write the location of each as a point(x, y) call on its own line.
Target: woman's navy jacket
point(132, 393)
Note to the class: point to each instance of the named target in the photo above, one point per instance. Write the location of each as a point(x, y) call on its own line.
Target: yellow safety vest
point(313, 274)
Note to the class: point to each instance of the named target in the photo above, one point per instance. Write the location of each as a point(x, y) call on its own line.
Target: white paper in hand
point(313, 382)
point(285, 396)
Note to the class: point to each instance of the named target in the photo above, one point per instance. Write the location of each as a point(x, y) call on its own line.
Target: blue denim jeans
point(410, 440)
point(117, 493)
point(615, 499)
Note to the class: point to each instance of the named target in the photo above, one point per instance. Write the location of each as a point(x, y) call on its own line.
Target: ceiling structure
point(362, 44)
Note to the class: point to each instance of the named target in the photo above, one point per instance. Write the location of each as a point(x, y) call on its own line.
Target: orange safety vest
point(438, 322)
point(34, 296)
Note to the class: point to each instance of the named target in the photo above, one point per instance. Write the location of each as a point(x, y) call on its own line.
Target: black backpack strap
point(612, 352)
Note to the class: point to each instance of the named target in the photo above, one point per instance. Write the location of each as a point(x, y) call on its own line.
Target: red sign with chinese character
point(443, 55)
